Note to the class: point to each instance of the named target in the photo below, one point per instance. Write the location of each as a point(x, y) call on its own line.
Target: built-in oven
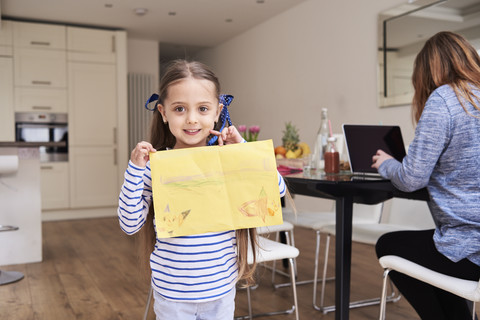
point(49, 130)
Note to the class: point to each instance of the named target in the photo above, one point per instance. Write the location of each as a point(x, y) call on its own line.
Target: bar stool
point(7, 277)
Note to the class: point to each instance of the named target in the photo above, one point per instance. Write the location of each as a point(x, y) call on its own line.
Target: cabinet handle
point(40, 43)
point(46, 167)
point(42, 82)
point(115, 135)
point(41, 108)
point(113, 44)
point(115, 156)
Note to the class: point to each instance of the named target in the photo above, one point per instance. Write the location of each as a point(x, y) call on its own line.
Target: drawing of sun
point(259, 207)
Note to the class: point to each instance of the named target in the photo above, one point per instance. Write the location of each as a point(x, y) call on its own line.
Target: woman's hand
point(139, 155)
point(379, 157)
point(228, 135)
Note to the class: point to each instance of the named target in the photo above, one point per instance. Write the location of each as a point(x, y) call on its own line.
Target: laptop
point(363, 141)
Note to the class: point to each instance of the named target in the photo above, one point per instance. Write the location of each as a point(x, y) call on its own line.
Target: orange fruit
point(280, 150)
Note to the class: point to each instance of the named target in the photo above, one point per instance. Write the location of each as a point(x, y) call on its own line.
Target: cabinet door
point(7, 119)
point(54, 185)
point(93, 177)
point(39, 35)
point(84, 44)
point(92, 99)
point(6, 35)
point(40, 68)
point(40, 100)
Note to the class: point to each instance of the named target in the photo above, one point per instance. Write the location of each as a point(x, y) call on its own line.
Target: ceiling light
point(228, 20)
point(108, 5)
point(140, 11)
point(172, 13)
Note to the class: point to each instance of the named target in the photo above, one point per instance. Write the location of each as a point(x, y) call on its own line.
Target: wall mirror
point(403, 31)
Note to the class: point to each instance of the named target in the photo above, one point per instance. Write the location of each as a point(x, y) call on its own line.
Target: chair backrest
point(340, 143)
point(366, 213)
point(413, 213)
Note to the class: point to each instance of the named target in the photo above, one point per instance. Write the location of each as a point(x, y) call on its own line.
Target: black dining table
point(346, 189)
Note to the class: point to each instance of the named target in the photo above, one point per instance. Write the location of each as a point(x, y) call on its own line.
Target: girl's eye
point(203, 109)
point(179, 109)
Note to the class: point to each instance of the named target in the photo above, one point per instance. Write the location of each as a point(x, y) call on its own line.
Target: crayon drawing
point(208, 189)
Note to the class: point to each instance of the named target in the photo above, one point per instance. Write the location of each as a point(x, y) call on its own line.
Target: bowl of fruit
point(293, 152)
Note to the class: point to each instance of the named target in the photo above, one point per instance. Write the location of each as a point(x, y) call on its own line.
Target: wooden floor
point(89, 271)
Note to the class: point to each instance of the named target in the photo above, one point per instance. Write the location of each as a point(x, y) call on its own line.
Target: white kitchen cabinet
point(93, 45)
point(40, 100)
point(92, 97)
point(40, 68)
point(54, 187)
point(39, 35)
point(93, 177)
point(7, 118)
point(6, 33)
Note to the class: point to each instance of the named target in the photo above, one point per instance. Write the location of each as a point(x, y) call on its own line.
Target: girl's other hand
point(379, 158)
point(228, 135)
point(139, 155)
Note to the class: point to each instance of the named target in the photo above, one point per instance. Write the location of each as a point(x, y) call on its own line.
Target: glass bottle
point(321, 142)
point(332, 158)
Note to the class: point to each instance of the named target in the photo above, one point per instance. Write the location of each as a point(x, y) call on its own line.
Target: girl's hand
point(228, 135)
point(139, 155)
point(379, 157)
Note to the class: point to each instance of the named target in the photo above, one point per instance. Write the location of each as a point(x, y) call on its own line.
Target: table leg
point(343, 256)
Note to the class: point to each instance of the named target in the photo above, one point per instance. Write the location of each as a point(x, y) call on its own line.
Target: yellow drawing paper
point(215, 188)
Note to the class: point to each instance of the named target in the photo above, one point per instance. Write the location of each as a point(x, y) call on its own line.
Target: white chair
point(269, 250)
point(317, 220)
point(287, 228)
point(404, 215)
point(467, 289)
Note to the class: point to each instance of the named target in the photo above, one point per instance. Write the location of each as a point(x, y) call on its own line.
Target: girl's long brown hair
point(446, 58)
point(161, 138)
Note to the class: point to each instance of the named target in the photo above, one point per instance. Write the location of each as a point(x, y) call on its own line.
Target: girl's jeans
point(220, 309)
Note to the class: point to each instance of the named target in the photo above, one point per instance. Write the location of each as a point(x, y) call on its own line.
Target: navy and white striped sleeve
point(281, 185)
point(135, 198)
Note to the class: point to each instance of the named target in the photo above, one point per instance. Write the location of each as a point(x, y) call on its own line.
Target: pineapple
point(290, 137)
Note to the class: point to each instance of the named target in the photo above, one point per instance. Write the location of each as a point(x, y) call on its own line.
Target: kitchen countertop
point(19, 144)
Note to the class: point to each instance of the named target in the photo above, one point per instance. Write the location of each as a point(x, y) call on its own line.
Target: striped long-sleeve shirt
point(195, 268)
point(445, 157)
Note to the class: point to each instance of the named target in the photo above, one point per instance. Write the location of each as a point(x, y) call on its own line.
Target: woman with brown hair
point(193, 277)
point(444, 157)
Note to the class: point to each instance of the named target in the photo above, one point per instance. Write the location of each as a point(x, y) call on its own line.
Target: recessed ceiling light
point(172, 13)
point(140, 11)
point(108, 5)
point(228, 20)
point(260, 1)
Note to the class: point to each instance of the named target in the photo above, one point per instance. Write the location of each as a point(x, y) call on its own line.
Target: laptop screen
point(363, 141)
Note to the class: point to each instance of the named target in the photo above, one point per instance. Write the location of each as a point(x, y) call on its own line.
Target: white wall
point(318, 54)
point(144, 57)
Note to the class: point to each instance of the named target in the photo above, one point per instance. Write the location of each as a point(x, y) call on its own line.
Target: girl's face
point(191, 109)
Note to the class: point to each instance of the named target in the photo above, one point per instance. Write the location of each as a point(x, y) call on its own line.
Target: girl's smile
point(191, 110)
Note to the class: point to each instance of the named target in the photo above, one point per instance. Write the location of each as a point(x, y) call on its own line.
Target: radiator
point(140, 88)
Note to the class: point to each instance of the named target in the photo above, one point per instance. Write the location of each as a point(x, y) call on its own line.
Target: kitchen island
point(20, 203)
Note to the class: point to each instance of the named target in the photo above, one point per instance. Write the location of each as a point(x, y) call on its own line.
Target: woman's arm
point(432, 136)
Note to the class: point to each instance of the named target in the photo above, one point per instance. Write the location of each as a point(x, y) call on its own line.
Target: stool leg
point(250, 314)
point(294, 287)
point(149, 300)
point(315, 273)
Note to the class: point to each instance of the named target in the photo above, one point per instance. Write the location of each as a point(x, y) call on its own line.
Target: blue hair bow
point(225, 99)
point(153, 97)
